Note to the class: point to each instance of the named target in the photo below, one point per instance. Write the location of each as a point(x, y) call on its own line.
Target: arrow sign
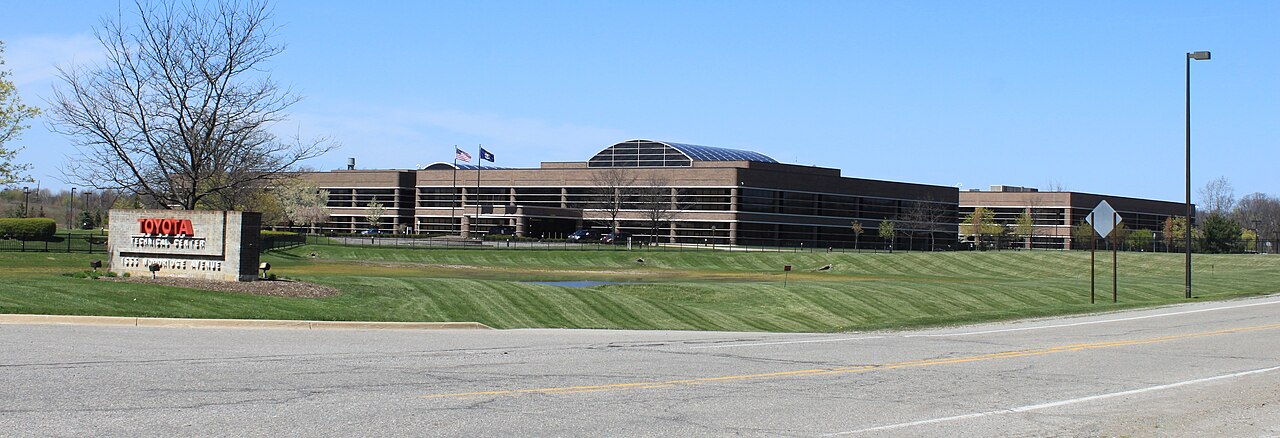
point(1104, 219)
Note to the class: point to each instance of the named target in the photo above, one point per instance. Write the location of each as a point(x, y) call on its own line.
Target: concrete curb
point(235, 323)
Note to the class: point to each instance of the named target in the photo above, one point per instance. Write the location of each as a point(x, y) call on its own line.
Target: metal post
point(1203, 56)
point(1188, 227)
point(1115, 266)
point(72, 213)
point(1093, 247)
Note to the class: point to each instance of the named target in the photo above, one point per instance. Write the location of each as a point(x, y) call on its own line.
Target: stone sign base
point(212, 245)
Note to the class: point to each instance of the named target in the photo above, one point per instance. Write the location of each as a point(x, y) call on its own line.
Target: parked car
point(371, 231)
point(584, 235)
point(502, 230)
point(615, 238)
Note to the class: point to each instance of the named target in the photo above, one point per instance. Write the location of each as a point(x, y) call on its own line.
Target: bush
point(39, 228)
point(272, 233)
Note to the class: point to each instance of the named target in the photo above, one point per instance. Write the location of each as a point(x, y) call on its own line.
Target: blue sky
point(1086, 95)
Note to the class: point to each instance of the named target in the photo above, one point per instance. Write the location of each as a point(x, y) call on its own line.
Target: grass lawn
point(706, 290)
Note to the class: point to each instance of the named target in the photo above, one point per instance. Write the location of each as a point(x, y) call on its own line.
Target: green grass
point(705, 290)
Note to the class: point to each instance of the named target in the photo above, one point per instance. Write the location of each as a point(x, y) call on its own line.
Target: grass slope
point(706, 290)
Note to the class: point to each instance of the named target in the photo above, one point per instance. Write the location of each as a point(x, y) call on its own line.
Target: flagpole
point(479, 161)
point(453, 207)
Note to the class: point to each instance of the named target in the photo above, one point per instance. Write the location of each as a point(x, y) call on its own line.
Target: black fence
point(73, 242)
point(275, 240)
point(59, 242)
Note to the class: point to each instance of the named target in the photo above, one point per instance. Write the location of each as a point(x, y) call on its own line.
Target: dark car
point(584, 235)
point(502, 230)
point(615, 238)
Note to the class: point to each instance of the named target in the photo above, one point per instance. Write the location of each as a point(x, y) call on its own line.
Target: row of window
point(1058, 217)
point(692, 199)
point(388, 198)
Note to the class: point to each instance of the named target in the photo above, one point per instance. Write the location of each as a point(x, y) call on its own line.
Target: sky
point(1085, 96)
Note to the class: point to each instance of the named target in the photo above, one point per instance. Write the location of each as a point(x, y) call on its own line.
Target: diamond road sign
point(1104, 219)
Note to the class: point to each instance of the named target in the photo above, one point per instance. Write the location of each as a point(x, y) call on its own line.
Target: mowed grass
point(703, 290)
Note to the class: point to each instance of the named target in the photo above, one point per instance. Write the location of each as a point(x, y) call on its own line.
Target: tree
point(613, 186)
point(926, 215)
point(1249, 238)
point(1120, 233)
point(1260, 212)
point(1083, 233)
point(857, 233)
point(180, 112)
point(1220, 234)
point(1025, 227)
point(12, 115)
point(1217, 197)
point(88, 221)
point(374, 214)
point(303, 202)
point(1140, 239)
point(654, 199)
point(887, 232)
point(1175, 229)
point(981, 223)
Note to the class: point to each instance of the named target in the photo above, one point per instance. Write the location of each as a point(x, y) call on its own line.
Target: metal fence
point(505, 242)
point(59, 242)
point(67, 242)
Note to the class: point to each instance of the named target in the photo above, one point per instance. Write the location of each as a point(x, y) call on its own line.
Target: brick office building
point(716, 195)
point(1055, 213)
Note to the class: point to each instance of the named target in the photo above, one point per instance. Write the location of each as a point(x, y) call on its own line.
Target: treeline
point(84, 210)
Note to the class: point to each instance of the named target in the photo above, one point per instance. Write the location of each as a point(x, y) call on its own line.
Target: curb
point(234, 323)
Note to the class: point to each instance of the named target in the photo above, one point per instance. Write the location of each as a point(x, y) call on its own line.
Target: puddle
point(575, 283)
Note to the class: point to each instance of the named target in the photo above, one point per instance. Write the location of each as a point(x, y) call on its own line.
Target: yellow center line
point(853, 369)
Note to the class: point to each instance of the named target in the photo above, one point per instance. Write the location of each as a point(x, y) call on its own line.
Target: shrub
point(39, 228)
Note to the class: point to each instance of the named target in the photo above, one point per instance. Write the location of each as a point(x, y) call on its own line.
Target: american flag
point(461, 155)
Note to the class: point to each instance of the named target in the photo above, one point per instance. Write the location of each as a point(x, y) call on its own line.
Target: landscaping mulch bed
point(272, 288)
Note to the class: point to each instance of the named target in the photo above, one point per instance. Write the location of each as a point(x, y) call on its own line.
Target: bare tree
point(923, 216)
point(656, 202)
point(857, 232)
point(180, 110)
point(911, 220)
point(613, 187)
point(1261, 213)
point(1217, 197)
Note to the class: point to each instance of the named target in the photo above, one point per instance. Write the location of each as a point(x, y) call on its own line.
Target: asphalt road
point(1190, 370)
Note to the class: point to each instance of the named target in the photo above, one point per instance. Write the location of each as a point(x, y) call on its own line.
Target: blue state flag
point(486, 155)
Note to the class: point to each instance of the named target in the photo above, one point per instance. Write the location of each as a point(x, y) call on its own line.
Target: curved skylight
point(649, 153)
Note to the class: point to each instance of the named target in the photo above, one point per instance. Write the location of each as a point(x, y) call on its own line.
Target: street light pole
point(1199, 56)
point(71, 215)
point(26, 198)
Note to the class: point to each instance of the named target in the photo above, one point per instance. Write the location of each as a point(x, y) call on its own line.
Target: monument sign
point(213, 245)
